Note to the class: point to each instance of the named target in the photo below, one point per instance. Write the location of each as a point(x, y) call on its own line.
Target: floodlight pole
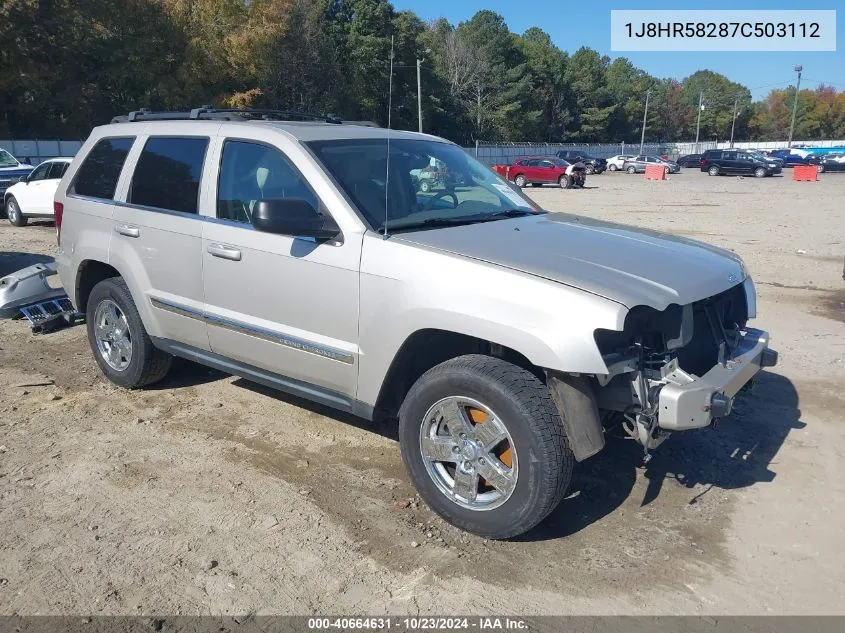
point(797, 69)
point(698, 124)
point(645, 115)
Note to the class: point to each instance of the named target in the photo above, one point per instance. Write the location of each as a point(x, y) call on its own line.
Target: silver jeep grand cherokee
point(299, 254)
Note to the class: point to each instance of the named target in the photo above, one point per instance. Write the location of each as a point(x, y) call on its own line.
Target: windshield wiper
point(466, 219)
point(434, 222)
point(511, 213)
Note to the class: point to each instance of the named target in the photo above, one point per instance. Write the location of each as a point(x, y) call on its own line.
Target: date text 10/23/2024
point(711, 30)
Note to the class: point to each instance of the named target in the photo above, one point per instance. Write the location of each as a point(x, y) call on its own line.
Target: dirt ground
point(210, 495)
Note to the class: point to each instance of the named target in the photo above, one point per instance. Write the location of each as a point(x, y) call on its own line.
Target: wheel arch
point(89, 273)
point(426, 348)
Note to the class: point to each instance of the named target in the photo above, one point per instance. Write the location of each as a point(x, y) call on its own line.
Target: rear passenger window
point(57, 170)
point(98, 175)
point(250, 172)
point(168, 174)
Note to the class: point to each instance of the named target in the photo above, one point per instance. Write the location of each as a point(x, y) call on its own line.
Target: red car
point(539, 170)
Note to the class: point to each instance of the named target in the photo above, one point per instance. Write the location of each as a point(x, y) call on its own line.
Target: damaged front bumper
point(690, 402)
point(28, 293)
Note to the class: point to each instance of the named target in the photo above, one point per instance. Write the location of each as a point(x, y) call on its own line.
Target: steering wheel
point(448, 192)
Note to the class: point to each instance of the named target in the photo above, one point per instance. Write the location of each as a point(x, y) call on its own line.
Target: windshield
point(6, 159)
point(430, 183)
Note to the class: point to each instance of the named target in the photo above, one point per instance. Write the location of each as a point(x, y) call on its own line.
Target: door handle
point(128, 231)
point(224, 252)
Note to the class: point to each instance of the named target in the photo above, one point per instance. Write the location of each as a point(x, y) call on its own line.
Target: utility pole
point(419, 94)
point(478, 125)
point(733, 123)
point(698, 125)
point(797, 69)
point(645, 115)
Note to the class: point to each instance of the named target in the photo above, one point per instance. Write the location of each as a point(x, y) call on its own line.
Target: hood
point(18, 171)
point(625, 264)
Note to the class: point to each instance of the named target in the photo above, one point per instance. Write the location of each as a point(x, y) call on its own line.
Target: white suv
point(32, 197)
point(300, 255)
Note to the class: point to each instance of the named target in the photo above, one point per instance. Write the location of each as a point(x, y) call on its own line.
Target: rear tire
point(631, 170)
point(527, 489)
point(146, 364)
point(820, 168)
point(590, 169)
point(13, 212)
point(520, 181)
point(612, 167)
point(713, 171)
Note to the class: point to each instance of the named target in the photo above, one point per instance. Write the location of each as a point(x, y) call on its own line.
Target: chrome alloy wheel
point(468, 453)
point(111, 332)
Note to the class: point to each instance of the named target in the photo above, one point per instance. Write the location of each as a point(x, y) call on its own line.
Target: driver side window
point(250, 172)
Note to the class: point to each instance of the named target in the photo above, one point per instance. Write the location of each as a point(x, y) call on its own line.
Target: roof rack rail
point(207, 112)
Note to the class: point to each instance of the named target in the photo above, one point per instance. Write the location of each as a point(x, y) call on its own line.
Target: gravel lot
point(210, 495)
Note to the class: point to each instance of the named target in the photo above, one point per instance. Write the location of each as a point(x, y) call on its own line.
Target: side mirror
point(294, 217)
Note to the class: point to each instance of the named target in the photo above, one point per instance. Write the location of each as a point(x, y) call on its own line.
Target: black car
point(832, 162)
point(690, 160)
point(717, 162)
point(593, 165)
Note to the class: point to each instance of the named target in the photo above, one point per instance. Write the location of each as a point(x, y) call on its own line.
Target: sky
point(575, 24)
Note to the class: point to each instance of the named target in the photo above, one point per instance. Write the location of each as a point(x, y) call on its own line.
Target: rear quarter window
point(168, 174)
point(100, 170)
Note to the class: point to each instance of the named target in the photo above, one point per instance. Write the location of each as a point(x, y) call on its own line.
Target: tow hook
point(720, 405)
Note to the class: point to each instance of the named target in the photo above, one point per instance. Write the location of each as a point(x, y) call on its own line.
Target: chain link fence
point(491, 153)
point(35, 152)
point(504, 153)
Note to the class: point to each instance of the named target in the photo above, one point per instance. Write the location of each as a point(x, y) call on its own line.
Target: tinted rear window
point(57, 170)
point(168, 174)
point(98, 175)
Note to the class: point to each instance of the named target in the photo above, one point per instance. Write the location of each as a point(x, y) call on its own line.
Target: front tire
point(121, 345)
point(713, 171)
point(13, 213)
point(565, 182)
point(504, 464)
point(760, 172)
